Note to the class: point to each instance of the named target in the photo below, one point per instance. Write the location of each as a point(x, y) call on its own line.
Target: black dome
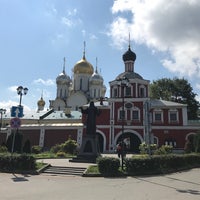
point(129, 55)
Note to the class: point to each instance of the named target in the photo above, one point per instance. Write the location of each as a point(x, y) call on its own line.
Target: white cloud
point(67, 21)
point(48, 82)
point(93, 37)
point(13, 88)
point(71, 18)
point(167, 26)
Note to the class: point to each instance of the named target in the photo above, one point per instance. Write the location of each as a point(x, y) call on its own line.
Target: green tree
point(17, 147)
point(27, 147)
point(177, 90)
point(197, 142)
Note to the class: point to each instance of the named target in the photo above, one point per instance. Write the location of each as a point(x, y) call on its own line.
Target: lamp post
point(21, 91)
point(2, 111)
point(123, 83)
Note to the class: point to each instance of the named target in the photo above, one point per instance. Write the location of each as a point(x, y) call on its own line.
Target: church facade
point(87, 84)
point(128, 114)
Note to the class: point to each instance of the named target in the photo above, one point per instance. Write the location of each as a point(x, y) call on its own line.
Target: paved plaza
point(179, 186)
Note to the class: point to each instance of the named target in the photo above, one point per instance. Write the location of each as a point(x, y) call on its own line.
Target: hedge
point(108, 166)
point(17, 162)
point(161, 164)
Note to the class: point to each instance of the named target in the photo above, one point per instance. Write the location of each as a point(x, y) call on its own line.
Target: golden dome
point(41, 102)
point(83, 67)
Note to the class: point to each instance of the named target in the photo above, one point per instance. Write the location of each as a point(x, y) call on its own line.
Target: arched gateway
point(132, 140)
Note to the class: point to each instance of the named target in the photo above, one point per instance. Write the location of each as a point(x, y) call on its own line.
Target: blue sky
point(36, 35)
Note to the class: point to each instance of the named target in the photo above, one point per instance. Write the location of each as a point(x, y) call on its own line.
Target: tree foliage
point(177, 90)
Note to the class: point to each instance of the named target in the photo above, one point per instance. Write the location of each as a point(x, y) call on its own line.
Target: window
point(115, 92)
point(94, 93)
point(158, 116)
point(135, 115)
point(121, 114)
point(128, 91)
point(60, 93)
point(173, 116)
point(81, 83)
point(142, 91)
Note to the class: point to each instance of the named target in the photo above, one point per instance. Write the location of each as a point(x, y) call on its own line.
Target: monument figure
point(92, 111)
point(89, 149)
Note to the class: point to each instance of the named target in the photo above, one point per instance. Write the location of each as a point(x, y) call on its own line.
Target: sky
point(35, 36)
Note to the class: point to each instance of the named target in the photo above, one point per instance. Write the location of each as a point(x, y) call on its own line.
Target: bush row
point(146, 165)
point(161, 164)
point(17, 162)
point(108, 166)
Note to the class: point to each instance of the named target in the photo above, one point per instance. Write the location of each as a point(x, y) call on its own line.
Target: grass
point(93, 169)
point(47, 154)
point(40, 165)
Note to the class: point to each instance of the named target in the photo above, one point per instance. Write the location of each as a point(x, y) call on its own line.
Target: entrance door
point(133, 142)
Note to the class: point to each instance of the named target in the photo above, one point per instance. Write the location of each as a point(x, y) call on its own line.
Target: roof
point(98, 104)
point(162, 103)
point(47, 114)
point(129, 75)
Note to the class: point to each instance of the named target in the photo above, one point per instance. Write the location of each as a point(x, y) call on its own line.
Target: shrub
point(108, 166)
point(144, 148)
point(17, 162)
point(61, 154)
point(189, 145)
point(70, 146)
point(164, 149)
point(27, 147)
point(161, 163)
point(36, 149)
point(56, 148)
point(3, 149)
point(197, 142)
point(17, 142)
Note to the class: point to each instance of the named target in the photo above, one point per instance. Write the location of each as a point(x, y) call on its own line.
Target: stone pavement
point(65, 162)
point(179, 186)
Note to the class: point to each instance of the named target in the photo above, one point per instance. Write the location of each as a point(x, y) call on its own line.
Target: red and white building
point(128, 113)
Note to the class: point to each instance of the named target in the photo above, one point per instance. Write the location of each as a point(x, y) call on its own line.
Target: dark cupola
point(129, 55)
point(129, 58)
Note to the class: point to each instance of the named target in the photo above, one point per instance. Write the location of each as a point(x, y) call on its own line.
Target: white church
point(87, 84)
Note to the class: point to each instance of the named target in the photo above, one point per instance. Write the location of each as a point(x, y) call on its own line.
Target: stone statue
point(92, 111)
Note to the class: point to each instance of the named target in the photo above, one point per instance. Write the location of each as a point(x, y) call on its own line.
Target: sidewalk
point(64, 162)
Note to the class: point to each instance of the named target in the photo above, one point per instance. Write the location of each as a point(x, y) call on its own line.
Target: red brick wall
point(32, 135)
point(53, 137)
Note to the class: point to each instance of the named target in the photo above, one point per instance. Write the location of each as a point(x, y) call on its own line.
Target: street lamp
point(123, 83)
point(2, 111)
point(21, 91)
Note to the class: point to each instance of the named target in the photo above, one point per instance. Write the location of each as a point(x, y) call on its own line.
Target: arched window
point(114, 92)
point(81, 84)
point(142, 91)
point(60, 93)
point(127, 91)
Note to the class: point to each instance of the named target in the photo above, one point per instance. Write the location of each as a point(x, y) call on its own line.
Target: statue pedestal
point(89, 150)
